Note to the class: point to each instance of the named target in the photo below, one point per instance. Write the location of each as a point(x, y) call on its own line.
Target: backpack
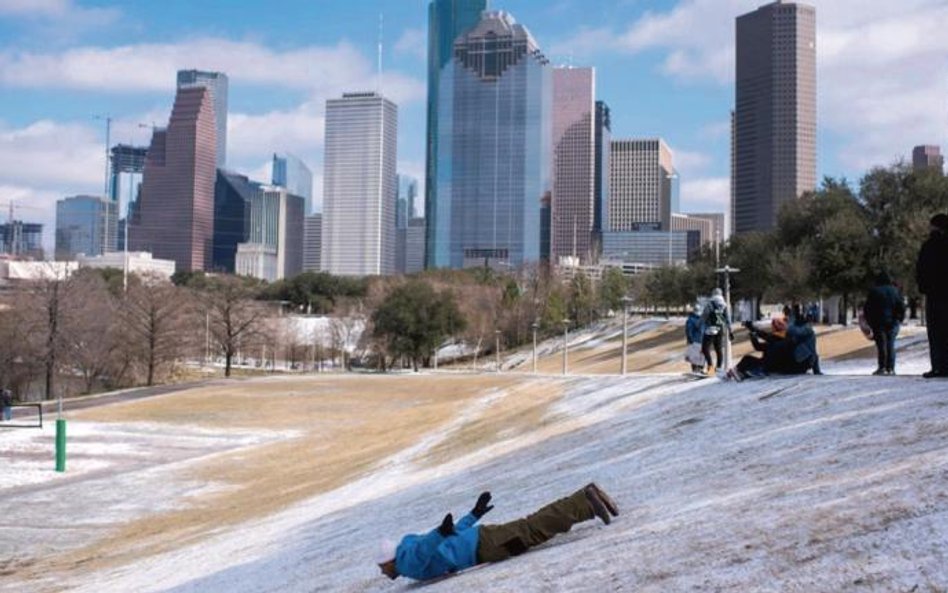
point(715, 320)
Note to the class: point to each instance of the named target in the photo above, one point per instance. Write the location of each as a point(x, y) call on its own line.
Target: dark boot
point(598, 505)
point(611, 505)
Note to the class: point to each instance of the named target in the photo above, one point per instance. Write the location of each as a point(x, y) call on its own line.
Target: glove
point(482, 506)
point(446, 529)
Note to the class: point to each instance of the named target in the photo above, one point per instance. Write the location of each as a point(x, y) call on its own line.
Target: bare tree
point(234, 316)
point(89, 338)
point(154, 313)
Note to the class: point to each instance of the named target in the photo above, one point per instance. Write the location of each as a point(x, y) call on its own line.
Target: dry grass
point(347, 425)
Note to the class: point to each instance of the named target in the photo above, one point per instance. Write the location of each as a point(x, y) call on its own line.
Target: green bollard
point(61, 445)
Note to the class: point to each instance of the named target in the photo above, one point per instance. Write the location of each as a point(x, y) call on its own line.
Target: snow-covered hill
point(792, 484)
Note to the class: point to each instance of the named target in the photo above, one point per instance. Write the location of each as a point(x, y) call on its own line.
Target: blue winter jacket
point(428, 556)
point(694, 329)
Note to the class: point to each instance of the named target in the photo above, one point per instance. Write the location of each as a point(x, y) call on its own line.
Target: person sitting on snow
point(776, 351)
point(452, 547)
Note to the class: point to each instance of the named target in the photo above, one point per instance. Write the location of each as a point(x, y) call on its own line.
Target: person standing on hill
point(6, 399)
point(933, 283)
point(885, 312)
point(452, 547)
point(717, 325)
point(694, 336)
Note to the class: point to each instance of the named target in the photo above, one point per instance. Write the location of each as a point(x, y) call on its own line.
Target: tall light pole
point(535, 327)
point(626, 301)
point(497, 348)
point(727, 271)
point(565, 346)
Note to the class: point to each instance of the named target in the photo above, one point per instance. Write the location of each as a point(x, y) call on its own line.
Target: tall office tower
point(447, 20)
point(82, 224)
point(290, 172)
point(174, 219)
point(128, 164)
point(494, 153)
point(233, 196)
point(272, 248)
point(22, 239)
point(405, 200)
point(312, 242)
point(415, 246)
point(775, 115)
point(601, 174)
point(928, 157)
point(574, 163)
point(718, 224)
point(217, 83)
point(289, 232)
point(642, 181)
point(359, 185)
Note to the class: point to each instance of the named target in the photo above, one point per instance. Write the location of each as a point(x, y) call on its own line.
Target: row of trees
point(829, 242)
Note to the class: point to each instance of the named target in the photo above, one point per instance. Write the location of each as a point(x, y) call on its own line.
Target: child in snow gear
point(933, 283)
point(452, 547)
point(717, 324)
point(884, 313)
point(694, 336)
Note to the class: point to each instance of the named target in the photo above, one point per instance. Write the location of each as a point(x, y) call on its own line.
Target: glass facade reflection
point(493, 149)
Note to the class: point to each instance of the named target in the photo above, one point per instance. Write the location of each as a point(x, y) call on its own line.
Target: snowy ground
point(810, 484)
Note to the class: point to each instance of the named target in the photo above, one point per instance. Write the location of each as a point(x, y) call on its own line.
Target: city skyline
point(682, 77)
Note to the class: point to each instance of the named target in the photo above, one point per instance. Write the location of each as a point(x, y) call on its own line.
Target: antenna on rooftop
point(381, 30)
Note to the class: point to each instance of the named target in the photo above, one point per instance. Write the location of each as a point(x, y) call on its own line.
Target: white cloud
point(151, 67)
point(60, 18)
point(687, 161)
point(49, 155)
point(710, 194)
point(299, 131)
point(413, 42)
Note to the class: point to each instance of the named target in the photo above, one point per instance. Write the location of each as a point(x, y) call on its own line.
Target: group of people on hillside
point(789, 347)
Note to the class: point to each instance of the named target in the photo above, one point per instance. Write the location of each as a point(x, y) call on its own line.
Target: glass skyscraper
point(493, 149)
point(128, 166)
point(447, 19)
point(293, 174)
point(82, 225)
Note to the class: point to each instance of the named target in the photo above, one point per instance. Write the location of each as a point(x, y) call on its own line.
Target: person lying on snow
point(452, 547)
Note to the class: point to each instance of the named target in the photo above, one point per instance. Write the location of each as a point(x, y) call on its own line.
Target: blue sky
point(665, 67)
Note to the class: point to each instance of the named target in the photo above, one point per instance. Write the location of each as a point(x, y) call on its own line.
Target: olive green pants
point(499, 542)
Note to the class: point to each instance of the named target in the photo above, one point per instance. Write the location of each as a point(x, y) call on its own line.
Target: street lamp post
point(497, 348)
point(625, 334)
point(565, 346)
point(727, 271)
point(535, 327)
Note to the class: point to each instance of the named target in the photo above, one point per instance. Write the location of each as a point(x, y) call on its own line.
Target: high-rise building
point(272, 248)
point(405, 200)
point(289, 232)
point(312, 243)
point(174, 219)
point(642, 186)
point(293, 174)
point(22, 239)
point(82, 224)
point(718, 224)
point(494, 149)
point(127, 166)
point(217, 83)
point(359, 185)
point(928, 157)
point(415, 246)
point(574, 163)
point(603, 127)
point(775, 112)
point(234, 195)
point(447, 20)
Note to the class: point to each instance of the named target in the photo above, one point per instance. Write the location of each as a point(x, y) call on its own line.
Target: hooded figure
point(884, 312)
point(933, 283)
point(717, 324)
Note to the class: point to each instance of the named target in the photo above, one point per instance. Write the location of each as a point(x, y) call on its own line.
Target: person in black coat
point(933, 283)
point(885, 312)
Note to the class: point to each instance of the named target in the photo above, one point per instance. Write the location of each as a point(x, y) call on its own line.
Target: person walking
point(694, 336)
point(6, 399)
point(884, 312)
point(717, 325)
point(452, 547)
point(933, 283)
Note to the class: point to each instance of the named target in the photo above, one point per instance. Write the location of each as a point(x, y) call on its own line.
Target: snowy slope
point(810, 484)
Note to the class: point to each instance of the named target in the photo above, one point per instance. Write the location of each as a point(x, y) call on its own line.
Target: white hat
point(386, 551)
